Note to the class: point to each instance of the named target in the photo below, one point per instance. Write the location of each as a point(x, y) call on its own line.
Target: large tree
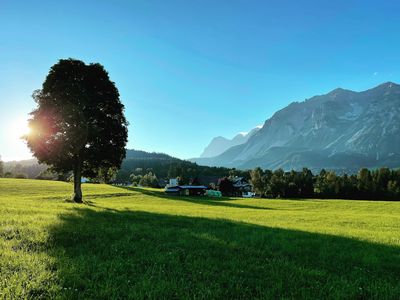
point(79, 123)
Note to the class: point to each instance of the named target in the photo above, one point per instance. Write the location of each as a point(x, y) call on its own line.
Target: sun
point(18, 129)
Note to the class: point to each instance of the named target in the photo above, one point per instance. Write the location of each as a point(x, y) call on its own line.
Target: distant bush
point(149, 180)
point(135, 179)
point(47, 175)
point(21, 176)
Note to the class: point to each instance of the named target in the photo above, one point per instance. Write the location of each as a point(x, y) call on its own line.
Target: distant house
point(241, 188)
point(173, 182)
point(184, 190)
point(187, 190)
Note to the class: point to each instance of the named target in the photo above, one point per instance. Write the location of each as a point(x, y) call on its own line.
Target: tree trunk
point(77, 197)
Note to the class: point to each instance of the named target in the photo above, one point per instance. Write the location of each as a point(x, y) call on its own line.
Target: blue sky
point(188, 71)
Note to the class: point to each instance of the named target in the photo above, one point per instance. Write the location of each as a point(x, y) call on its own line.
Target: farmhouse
point(186, 190)
point(241, 188)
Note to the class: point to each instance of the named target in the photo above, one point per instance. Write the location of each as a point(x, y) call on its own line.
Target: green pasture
point(131, 243)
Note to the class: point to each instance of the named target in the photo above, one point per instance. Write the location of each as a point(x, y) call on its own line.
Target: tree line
point(379, 184)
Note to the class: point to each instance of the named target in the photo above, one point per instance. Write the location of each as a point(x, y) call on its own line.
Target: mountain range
point(343, 130)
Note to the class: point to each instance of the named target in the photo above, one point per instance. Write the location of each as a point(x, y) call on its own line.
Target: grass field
point(138, 243)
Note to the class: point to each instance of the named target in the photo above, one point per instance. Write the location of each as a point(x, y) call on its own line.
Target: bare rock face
point(342, 130)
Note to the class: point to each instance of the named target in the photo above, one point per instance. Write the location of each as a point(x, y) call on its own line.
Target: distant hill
point(166, 166)
point(342, 130)
point(30, 167)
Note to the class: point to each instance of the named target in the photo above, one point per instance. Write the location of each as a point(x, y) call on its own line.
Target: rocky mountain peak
point(220, 144)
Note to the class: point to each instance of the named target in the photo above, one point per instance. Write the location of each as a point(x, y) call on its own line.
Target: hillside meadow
point(131, 243)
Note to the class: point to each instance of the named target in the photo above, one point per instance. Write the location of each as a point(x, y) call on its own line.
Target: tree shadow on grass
point(135, 255)
point(203, 200)
point(108, 195)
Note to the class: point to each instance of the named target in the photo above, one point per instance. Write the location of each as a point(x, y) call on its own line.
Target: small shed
point(213, 193)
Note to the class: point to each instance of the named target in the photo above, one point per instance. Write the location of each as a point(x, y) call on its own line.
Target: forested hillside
point(165, 166)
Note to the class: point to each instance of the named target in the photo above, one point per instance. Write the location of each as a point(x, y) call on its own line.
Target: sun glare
point(18, 129)
point(13, 147)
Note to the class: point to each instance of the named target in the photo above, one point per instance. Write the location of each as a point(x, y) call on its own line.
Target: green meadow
point(131, 243)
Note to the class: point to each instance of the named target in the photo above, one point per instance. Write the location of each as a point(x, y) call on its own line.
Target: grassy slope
point(140, 244)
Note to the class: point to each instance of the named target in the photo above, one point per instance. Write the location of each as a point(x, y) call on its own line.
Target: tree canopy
point(79, 123)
